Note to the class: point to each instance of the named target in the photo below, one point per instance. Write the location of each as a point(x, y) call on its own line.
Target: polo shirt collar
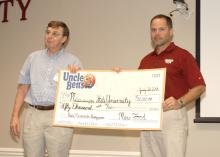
point(169, 49)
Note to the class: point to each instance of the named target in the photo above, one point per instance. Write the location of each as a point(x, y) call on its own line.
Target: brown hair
point(56, 24)
point(167, 18)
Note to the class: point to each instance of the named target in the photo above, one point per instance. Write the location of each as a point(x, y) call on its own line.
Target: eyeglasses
point(53, 34)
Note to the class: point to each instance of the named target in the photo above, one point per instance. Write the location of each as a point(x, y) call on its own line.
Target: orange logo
point(89, 81)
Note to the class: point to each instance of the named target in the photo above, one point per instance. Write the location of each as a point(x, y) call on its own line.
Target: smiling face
point(54, 39)
point(161, 33)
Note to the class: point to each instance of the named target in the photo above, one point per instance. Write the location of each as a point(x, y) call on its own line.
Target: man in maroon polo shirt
point(184, 84)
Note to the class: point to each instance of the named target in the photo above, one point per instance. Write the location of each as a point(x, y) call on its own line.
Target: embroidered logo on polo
point(78, 80)
point(168, 61)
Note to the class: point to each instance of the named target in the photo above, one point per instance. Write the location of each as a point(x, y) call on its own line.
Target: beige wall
point(104, 33)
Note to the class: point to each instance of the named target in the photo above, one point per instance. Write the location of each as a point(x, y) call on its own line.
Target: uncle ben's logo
point(78, 81)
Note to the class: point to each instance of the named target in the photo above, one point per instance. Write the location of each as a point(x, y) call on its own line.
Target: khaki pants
point(39, 135)
point(171, 140)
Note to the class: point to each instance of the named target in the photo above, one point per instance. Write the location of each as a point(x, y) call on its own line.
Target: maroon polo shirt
point(182, 71)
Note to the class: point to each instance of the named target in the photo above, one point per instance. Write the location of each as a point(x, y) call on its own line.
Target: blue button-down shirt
point(39, 71)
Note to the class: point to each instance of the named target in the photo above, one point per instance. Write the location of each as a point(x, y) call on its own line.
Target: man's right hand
point(22, 90)
point(15, 126)
point(116, 69)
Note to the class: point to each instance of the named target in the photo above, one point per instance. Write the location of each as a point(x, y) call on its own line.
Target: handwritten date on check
point(129, 100)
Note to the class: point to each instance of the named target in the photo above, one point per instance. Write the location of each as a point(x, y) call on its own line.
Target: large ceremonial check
point(129, 100)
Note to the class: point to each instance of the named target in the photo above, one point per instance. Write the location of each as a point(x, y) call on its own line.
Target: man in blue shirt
point(37, 87)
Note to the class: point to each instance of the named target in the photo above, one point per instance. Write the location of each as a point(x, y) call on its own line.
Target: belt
point(39, 107)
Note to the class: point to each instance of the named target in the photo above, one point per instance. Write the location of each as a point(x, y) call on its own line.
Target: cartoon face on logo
point(89, 81)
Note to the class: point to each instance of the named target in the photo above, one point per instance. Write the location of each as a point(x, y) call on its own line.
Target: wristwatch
point(180, 102)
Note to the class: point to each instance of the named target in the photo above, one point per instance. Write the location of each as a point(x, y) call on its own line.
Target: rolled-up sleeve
point(24, 76)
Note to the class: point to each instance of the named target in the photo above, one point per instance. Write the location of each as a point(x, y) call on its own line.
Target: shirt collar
point(169, 49)
point(56, 54)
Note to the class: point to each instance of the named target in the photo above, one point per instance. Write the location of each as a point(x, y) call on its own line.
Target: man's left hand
point(170, 104)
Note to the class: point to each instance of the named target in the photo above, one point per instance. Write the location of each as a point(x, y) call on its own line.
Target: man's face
point(161, 34)
point(54, 38)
